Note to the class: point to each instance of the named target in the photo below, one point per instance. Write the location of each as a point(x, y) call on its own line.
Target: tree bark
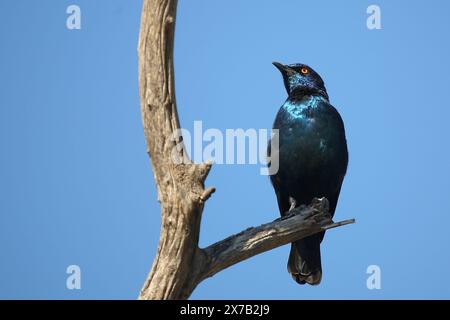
point(180, 264)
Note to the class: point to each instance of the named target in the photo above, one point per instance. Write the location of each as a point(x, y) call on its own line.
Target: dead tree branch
point(302, 222)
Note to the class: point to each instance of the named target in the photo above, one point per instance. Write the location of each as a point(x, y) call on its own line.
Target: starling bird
point(312, 157)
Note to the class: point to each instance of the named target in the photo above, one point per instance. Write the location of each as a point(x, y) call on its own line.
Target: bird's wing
point(282, 197)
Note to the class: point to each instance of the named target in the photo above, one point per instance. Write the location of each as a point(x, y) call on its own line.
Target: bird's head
point(300, 79)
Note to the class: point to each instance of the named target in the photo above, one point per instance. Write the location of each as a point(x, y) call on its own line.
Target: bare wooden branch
point(180, 264)
point(302, 222)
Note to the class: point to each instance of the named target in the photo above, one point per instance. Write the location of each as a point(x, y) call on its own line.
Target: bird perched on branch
point(313, 158)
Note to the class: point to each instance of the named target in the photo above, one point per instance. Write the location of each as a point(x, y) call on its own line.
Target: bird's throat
point(301, 92)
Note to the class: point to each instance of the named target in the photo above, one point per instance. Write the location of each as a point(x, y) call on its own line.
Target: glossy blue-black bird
point(312, 157)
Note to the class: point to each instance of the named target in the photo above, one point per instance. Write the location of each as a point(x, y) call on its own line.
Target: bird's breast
point(309, 137)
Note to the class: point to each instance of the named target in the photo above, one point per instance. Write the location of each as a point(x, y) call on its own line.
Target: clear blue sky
point(76, 185)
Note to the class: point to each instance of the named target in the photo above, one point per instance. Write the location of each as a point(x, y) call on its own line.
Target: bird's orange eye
point(304, 70)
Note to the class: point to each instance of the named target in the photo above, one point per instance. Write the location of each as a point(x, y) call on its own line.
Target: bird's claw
point(292, 203)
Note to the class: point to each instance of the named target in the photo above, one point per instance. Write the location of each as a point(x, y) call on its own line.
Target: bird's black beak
point(283, 69)
point(285, 72)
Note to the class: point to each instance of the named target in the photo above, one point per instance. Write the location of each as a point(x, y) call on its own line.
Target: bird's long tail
point(304, 263)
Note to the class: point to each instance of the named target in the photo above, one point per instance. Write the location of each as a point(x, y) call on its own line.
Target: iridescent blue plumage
point(312, 159)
